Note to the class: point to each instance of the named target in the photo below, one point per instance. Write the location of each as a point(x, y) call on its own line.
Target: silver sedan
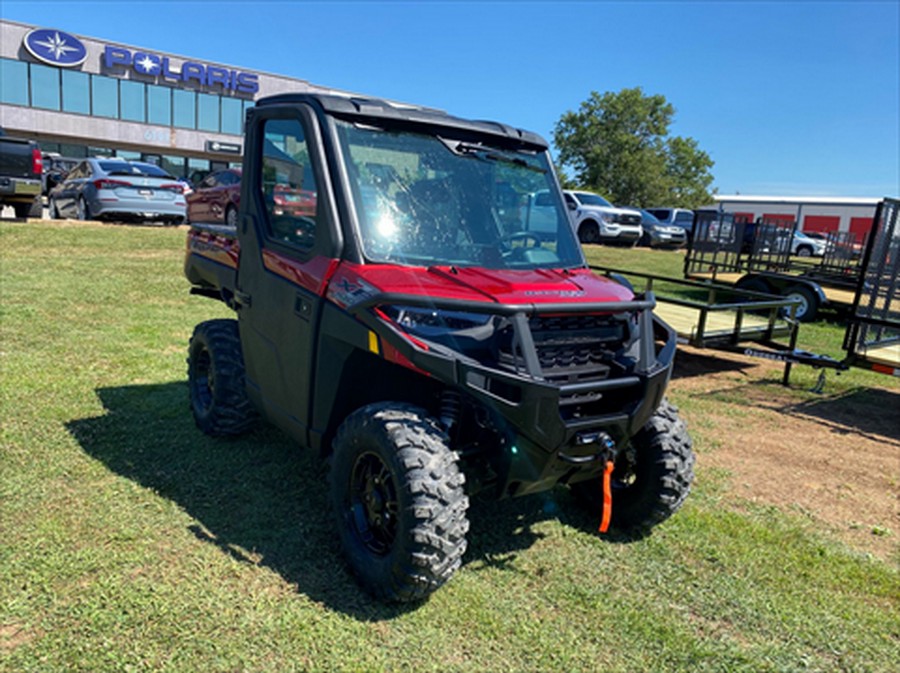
point(115, 189)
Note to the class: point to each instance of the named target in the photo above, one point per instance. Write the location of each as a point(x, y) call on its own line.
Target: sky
point(787, 98)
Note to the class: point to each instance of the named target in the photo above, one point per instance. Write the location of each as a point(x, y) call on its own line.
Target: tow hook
point(607, 453)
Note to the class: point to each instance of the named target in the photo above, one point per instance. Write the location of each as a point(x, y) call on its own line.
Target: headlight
point(429, 322)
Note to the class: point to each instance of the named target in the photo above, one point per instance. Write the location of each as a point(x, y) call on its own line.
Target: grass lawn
point(132, 542)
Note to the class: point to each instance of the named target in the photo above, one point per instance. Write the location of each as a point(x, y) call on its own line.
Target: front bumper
point(542, 444)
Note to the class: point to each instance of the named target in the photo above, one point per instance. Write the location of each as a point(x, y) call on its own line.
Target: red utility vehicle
point(405, 322)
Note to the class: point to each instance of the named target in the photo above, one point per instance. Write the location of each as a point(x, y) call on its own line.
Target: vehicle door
point(220, 195)
point(67, 194)
point(286, 258)
point(198, 200)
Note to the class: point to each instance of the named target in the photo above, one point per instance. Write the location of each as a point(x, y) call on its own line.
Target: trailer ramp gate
point(872, 339)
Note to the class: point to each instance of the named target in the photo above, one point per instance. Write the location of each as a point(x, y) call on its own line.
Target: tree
point(618, 144)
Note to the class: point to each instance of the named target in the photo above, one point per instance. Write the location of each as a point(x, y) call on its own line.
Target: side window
point(684, 218)
point(288, 184)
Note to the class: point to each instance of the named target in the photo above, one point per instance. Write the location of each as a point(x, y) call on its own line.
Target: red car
point(216, 198)
point(296, 202)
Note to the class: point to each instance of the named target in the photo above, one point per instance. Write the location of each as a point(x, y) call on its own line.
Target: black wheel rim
point(203, 380)
point(373, 504)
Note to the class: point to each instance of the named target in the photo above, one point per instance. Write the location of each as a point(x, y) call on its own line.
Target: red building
point(812, 213)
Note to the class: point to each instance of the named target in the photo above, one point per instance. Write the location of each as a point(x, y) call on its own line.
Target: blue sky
point(797, 98)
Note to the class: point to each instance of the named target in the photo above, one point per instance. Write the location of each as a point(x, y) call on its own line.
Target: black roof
point(384, 111)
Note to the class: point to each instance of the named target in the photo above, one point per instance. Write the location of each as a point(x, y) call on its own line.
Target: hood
point(353, 282)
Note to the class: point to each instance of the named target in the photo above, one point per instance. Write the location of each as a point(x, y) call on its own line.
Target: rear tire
point(216, 380)
point(589, 232)
point(26, 210)
point(399, 501)
point(652, 477)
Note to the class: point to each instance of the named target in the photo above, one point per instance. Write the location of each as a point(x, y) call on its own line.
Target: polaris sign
point(55, 47)
point(153, 65)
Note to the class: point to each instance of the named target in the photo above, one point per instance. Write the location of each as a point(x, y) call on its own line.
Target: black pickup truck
point(21, 166)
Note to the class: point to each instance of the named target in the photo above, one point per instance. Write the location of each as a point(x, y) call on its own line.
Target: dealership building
point(81, 96)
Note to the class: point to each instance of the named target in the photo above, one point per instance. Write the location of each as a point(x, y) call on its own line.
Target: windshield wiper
point(488, 154)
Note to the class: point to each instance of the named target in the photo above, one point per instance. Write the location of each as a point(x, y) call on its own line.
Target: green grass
point(132, 542)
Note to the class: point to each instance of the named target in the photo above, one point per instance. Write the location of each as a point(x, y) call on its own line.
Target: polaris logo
point(153, 65)
point(55, 47)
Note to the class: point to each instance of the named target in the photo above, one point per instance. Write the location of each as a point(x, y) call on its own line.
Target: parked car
point(216, 198)
point(596, 220)
point(20, 176)
point(659, 235)
point(56, 168)
point(678, 217)
point(807, 246)
point(116, 189)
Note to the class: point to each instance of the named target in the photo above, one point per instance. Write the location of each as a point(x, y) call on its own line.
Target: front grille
point(628, 218)
point(570, 349)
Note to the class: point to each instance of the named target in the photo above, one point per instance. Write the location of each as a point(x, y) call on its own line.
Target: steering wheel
point(524, 236)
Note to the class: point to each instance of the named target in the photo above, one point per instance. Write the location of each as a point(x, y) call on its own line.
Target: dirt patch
point(833, 458)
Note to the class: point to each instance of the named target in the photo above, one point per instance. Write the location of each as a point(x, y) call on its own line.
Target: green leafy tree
point(618, 144)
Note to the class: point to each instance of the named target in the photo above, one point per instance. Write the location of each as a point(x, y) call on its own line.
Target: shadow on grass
point(690, 363)
point(263, 500)
point(867, 411)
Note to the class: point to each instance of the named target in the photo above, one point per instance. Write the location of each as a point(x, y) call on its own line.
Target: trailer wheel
point(216, 382)
point(398, 497)
point(651, 478)
point(589, 232)
point(809, 302)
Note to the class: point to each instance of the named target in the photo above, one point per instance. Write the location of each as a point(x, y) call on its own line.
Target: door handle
point(243, 298)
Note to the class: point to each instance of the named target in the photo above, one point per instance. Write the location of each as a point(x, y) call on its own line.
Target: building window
point(132, 101)
point(104, 96)
point(208, 112)
point(13, 82)
point(232, 116)
point(159, 105)
point(184, 105)
point(174, 165)
point(44, 87)
point(76, 92)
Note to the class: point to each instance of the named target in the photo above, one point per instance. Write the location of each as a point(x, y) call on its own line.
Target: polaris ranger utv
point(406, 310)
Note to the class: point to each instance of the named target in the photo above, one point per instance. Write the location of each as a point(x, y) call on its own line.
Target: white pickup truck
point(596, 220)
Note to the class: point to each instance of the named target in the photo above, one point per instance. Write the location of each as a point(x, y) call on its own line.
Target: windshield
point(589, 199)
point(428, 200)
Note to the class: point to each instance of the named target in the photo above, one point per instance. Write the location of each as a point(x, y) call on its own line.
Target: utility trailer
point(757, 256)
point(872, 339)
point(721, 317)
